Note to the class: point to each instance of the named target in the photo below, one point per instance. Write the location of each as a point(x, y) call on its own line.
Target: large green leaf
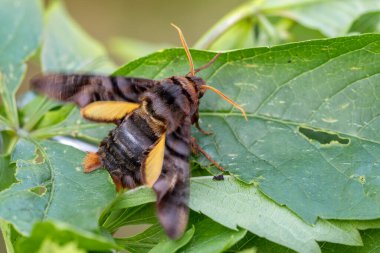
point(50, 185)
point(311, 141)
point(20, 33)
point(370, 237)
point(233, 204)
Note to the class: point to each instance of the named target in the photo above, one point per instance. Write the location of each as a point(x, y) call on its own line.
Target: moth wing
point(172, 187)
point(108, 111)
point(84, 89)
point(152, 166)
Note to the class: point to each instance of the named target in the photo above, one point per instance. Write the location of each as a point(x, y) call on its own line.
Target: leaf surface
point(234, 204)
point(50, 185)
point(68, 48)
point(20, 34)
point(312, 140)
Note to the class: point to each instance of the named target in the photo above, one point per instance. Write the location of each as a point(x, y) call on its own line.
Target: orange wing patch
point(108, 111)
point(91, 162)
point(153, 164)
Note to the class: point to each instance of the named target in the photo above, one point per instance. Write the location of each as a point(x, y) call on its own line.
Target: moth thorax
point(167, 103)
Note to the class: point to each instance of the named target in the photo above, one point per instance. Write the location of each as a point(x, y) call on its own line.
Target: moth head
point(199, 83)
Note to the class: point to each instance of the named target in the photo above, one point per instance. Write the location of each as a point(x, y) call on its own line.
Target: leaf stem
point(244, 11)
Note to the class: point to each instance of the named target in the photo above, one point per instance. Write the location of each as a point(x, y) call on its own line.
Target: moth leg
point(195, 146)
point(195, 120)
point(91, 162)
point(117, 182)
point(201, 130)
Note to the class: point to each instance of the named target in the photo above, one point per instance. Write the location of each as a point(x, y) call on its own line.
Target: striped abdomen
point(125, 149)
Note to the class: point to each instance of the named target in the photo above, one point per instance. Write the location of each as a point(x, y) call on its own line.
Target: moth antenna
point(227, 99)
point(209, 63)
point(183, 41)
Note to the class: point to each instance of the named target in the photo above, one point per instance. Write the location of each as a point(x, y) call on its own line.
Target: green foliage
point(304, 169)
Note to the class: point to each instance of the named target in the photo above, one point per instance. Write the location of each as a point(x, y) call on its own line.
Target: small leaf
point(68, 48)
point(144, 241)
point(50, 185)
point(211, 237)
point(169, 246)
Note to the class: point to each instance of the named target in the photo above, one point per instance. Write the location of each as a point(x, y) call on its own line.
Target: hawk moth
point(151, 143)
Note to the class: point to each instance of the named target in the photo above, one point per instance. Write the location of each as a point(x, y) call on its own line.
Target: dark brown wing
point(172, 187)
point(85, 89)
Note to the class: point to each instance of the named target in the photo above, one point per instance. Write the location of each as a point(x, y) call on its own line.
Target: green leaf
point(205, 236)
point(233, 204)
point(20, 32)
point(50, 186)
point(126, 206)
point(370, 244)
point(170, 246)
point(211, 237)
point(145, 214)
point(62, 233)
point(68, 48)
point(297, 96)
point(144, 241)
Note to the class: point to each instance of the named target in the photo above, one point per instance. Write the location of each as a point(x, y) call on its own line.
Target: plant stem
point(236, 15)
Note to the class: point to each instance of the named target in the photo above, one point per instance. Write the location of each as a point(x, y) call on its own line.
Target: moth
point(151, 142)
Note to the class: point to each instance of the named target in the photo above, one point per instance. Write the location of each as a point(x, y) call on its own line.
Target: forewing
point(172, 187)
point(85, 89)
point(108, 111)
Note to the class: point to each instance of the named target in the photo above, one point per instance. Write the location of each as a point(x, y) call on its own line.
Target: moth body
point(151, 143)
